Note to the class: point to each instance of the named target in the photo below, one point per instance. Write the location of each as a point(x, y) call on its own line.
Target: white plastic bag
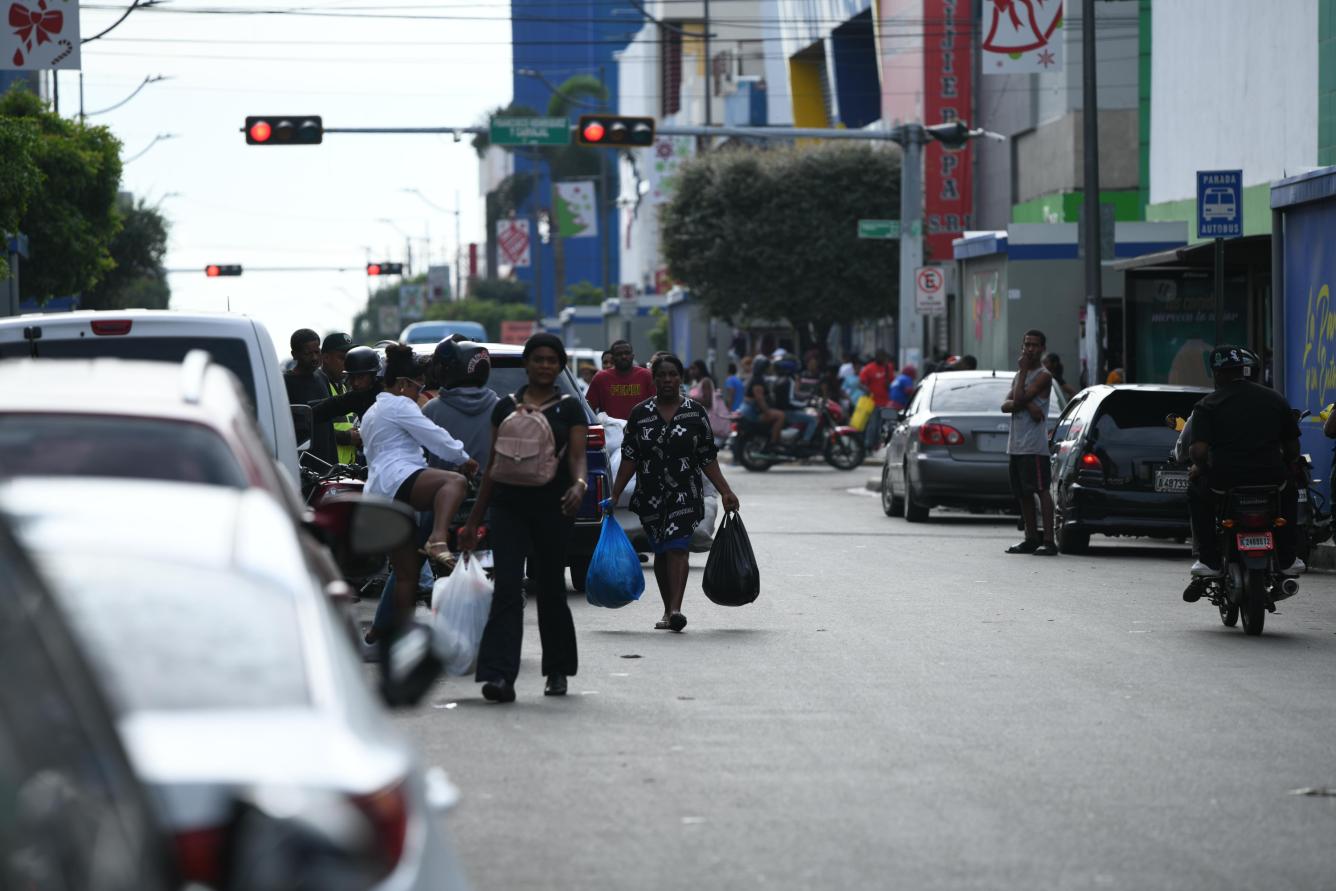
point(614, 431)
point(461, 601)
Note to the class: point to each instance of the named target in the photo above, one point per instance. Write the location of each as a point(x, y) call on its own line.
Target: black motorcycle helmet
point(361, 360)
point(462, 363)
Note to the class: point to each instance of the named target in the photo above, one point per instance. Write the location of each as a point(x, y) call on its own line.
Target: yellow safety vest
point(347, 451)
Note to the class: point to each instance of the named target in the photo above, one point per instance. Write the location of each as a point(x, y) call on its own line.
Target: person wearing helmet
point(464, 404)
point(756, 405)
point(1243, 434)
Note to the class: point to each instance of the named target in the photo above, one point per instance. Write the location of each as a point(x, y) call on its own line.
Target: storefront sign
point(948, 186)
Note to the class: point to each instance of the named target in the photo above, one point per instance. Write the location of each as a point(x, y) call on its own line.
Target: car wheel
point(579, 571)
point(914, 511)
point(890, 504)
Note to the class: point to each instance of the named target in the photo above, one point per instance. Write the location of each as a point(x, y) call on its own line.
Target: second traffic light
point(285, 130)
point(384, 269)
point(213, 270)
point(614, 131)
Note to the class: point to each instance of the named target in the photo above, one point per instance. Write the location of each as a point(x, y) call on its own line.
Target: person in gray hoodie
point(464, 404)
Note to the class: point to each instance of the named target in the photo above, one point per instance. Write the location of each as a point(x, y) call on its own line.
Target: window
point(670, 73)
point(970, 395)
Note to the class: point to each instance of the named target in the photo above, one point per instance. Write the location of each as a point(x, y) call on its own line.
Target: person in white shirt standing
point(394, 433)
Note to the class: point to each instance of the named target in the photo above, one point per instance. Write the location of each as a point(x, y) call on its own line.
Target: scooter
point(840, 444)
point(1251, 584)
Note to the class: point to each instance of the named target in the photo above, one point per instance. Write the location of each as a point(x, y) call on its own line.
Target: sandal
point(439, 553)
point(662, 625)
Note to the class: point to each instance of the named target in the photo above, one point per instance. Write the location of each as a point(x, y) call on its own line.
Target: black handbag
point(732, 577)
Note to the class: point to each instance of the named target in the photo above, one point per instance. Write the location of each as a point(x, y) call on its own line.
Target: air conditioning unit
point(746, 105)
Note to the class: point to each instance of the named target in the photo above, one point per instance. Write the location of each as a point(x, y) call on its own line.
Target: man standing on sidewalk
point(1027, 444)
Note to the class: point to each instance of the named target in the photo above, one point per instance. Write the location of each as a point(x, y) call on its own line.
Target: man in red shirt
point(876, 378)
point(622, 387)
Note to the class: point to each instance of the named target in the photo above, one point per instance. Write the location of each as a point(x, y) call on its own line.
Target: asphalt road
point(906, 706)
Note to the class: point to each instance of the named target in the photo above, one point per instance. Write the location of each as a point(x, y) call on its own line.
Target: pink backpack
point(526, 450)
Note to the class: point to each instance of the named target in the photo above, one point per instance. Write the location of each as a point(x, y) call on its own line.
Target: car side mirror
point(303, 421)
point(355, 525)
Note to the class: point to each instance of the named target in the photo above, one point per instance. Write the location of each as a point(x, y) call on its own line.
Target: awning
point(1250, 250)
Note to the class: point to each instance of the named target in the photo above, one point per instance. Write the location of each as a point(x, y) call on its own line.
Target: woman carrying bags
point(534, 484)
point(668, 445)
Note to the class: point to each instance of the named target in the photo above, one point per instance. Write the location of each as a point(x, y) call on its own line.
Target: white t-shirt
point(394, 433)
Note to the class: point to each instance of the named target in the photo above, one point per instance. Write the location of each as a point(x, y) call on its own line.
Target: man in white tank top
point(1027, 445)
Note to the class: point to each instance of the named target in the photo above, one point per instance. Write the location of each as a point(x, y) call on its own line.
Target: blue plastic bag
point(614, 578)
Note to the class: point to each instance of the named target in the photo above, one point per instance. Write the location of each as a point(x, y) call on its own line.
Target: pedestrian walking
point(876, 378)
point(734, 388)
point(533, 498)
point(668, 447)
point(1027, 445)
point(902, 388)
point(621, 388)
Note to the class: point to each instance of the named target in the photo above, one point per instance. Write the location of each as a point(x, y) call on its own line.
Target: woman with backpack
point(534, 484)
point(667, 447)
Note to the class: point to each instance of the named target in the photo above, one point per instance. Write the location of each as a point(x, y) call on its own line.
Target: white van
point(238, 343)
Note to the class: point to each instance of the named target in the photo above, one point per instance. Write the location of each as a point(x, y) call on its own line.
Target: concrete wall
point(1052, 156)
point(1234, 85)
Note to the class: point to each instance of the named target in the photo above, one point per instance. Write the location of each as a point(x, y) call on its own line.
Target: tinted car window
point(978, 395)
point(438, 331)
point(228, 352)
point(99, 445)
point(1137, 418)
point(171, 638)
point(508, 376)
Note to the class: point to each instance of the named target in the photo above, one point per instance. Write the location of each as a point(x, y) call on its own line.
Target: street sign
point(929, 291)
point(512, 238)
point(878, 228)
point(1219, 203)
point(530, 131)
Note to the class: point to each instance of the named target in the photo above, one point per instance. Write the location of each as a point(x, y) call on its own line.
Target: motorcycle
point(1251, 584)
point(839, 444)
point(365, 575)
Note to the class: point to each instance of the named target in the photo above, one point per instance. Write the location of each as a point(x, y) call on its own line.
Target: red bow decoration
point(44, 22)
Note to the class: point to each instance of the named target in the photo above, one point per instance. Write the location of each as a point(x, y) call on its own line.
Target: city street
point(906, 706)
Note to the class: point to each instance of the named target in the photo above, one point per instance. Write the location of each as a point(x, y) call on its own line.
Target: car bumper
point(1114, 512)
point(940, 480)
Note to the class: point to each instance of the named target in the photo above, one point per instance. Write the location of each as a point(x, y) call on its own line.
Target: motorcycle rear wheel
point(844, 452)
point(1253, 609)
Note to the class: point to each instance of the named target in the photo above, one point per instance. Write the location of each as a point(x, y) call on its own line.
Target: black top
point(561, 417)
point(668, 457)
point(310, 389)
point(1244, 424)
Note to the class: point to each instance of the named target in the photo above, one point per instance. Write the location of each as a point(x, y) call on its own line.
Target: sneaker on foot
point(1203, 571)
point(1298, 567)
point(1029, 546)
point(1192, 593)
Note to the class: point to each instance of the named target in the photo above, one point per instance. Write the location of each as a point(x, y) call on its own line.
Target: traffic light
point(614, 131)
point(213, 270)
point(285, 130)
point(384, 268)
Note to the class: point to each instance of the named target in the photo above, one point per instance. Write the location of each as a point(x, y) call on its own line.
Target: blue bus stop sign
point(1219, 203)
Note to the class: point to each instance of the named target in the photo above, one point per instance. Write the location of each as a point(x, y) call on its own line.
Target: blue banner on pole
point(1219, 203)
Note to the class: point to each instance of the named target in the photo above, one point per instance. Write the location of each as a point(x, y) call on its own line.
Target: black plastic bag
point(732, 577)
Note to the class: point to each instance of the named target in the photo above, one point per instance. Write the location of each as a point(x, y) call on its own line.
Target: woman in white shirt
point(394, 433)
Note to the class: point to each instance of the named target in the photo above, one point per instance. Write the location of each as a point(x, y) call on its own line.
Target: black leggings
point(538, 532)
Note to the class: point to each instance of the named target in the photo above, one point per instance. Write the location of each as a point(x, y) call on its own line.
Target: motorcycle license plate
point(1303, 494)
point(1171, 481)
point(1255, 541)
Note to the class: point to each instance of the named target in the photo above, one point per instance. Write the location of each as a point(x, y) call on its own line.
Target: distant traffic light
point(213, 270)
point(285, 130)
point(614, 131)
point(384, 269)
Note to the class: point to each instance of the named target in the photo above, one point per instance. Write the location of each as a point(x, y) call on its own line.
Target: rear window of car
point(439, 331)
point(112, 446)
point(508, 376)
point(173, 638)
point(229, 352)
point(1136, 418)
point(977, 395)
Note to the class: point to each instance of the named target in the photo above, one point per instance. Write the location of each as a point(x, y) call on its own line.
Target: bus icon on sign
point(1218, 204)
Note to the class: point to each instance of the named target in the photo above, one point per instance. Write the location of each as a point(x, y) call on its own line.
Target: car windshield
point(172, 637)
point(41, 444)
point(1138, 418)
point(976, 395)
point(438, 331)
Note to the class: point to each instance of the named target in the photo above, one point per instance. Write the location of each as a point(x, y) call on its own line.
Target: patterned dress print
point(668, 457)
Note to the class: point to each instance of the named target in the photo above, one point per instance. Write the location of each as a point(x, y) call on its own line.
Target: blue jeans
point(872, 433)
point(383, 620)
point(795, 416)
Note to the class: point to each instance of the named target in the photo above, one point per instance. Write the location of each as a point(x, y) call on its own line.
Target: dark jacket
point(466, 414)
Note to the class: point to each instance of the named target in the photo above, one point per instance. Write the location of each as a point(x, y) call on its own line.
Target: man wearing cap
point(333, 350)
point(1243, 434)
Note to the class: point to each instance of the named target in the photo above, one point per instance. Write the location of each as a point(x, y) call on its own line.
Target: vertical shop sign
point(948, 184)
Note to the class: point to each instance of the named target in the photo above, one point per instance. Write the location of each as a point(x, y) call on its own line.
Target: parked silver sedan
point(234, 677)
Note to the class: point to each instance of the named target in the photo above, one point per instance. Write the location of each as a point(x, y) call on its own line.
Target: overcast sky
point(444, 63)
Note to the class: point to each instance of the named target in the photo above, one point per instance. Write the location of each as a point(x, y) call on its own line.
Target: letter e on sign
point(929, 291)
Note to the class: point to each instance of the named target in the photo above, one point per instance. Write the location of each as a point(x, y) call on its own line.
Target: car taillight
point(388, 812)
point(596, 439)
point(1091, 462)
point(940, 434)
point(1255, 520)
point(598, 490)
point(112, 326)
point(199, 855)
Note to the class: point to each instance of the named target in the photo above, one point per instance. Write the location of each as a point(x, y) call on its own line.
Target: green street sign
point(878, 228)
point(530, 131)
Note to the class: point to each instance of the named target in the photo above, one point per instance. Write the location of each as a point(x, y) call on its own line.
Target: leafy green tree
point(72, 218)
point(138, 279)
point(583, 293)
point(487, 313)
point(773, 234)
point(20, 177)
point(500, 290)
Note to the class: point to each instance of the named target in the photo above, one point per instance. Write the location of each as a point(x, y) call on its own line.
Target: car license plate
point(991, 442)
point(1171, 481)
point(1258, 541)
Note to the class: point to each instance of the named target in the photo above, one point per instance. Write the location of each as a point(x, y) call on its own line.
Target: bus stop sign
point(1219, 203)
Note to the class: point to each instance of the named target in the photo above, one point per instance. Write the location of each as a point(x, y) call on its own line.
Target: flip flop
point(662, 625)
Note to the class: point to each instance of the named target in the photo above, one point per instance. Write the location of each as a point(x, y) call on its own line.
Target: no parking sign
point(930, 291)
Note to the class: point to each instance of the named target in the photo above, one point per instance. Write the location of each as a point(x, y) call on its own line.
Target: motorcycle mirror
point(303, 421)
point(355, 526)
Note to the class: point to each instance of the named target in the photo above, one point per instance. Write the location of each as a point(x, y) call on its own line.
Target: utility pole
point(709, 69)
point(1093, 265)
point(909, 325)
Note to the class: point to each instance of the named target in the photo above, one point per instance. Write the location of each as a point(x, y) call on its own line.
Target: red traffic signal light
point(213, 270)
point(285, 130)
point(384, 268)
point(615, 131)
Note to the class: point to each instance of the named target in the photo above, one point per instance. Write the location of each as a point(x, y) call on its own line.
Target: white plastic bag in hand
point(462, 601)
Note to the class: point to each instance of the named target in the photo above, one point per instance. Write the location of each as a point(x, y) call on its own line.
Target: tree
point(773, 234)
point(366, 325)
point(20, 177)
point(500, 290)
point(71, 219)
point(583, 293)
point(138, 279)
point(487, 313)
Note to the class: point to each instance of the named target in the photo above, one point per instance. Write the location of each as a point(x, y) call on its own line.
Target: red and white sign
point(516, 332)
point(512, 240)
point(38, 34)
point(1022, 36)
point(929, 291)
point(948, 186)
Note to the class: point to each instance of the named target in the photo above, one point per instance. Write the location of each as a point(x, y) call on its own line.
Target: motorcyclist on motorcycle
point(785, 398)
point(464, 404)
point(1242, 434)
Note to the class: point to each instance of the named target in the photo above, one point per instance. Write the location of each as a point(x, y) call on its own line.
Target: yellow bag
point(862, 412)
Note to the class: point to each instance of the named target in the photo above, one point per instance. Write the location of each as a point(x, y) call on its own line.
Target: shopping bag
point(862, 412)
point(732, 577)
point(462, 601)
point(614, 578)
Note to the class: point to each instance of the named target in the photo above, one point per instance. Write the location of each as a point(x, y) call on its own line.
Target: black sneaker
point(1029, 546)
point(498, 691)
point(1047, 549)
point(1192, 593)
